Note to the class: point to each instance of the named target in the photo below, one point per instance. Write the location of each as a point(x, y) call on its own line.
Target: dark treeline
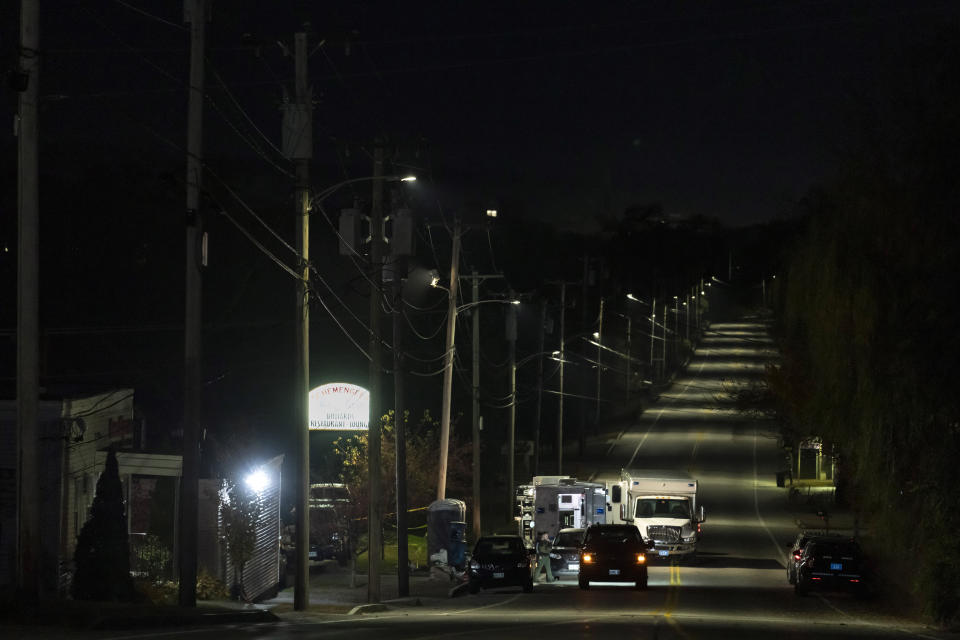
point(868, 322)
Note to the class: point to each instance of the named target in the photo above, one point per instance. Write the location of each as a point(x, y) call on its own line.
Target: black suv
point(500, 561)
point(831, 565)
point(796, 549)
point(613, 553)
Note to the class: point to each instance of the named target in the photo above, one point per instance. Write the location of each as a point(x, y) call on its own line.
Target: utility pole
point(512, 421)
point(584, 374)
point(629, 358)
point(196, 15)
point(475, 311)
point(476, 407)
point(28, 534)
point(448, 364)
point(663, 350)
point(599, 365)
point(298, 146)
point(653, 335)
point(676, 328)
point(374, 523)
point(539, 405)
point(399, 426)
point(563, 309)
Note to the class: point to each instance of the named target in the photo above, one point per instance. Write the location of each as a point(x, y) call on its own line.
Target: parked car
point(831, 565)
point(613, 553)
point(500, 561)
point(796, 549)
point(565, 557)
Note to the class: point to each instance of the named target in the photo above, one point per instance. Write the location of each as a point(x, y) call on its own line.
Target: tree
point(102, 556)
point(422, 467)
point(240, 509)
point(868, 326)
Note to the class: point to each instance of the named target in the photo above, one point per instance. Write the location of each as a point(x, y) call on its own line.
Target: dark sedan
point(831, 566)
point(565, 557)
point(613, 553)
point(500, 561)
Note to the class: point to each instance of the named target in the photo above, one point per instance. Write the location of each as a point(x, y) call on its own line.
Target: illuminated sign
point(339, 406)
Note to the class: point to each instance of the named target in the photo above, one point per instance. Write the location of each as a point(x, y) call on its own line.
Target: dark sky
point(567, 110)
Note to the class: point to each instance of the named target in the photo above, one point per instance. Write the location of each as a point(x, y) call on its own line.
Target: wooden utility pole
point(584, 374)
point(596, 418)
point(539, 405)
point(629, 359)
point(28, 306)
point(512, 421)
point(298, 146)
point(653, 337)
point(448, 363)
point(399, 427)
point(476, 279)
point(196, 15)
point(563, 310)
point(475, 430)
point(374, 519)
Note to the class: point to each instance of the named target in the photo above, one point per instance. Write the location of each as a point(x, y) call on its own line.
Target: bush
point(210, 588)
point(160, 592)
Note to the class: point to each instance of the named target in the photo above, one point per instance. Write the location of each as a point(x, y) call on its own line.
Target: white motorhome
point(664, 505)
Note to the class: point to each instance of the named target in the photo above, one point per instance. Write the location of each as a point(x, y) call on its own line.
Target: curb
point(178, 619)
point(458, 590)
point(367, 608)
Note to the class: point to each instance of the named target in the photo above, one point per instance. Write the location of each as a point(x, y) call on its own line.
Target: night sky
point(560, 112)
point(729, 109)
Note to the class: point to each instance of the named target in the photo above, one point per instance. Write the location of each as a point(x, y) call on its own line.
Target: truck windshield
point(662, 508)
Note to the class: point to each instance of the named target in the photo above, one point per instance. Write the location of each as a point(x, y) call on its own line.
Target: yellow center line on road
point(672, 600)
point(696, 444)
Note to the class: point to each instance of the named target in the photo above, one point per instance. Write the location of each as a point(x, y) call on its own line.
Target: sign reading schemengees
point(339, 406)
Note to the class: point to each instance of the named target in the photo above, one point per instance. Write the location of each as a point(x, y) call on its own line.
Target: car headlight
point(555, 556)
point(690, 538)
point(474, 565)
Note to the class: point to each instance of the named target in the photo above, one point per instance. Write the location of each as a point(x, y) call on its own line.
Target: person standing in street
point(544, 547)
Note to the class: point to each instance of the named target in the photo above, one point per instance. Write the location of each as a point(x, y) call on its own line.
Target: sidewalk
point(331, 593)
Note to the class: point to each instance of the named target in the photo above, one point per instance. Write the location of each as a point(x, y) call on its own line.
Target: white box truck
point(665, 507)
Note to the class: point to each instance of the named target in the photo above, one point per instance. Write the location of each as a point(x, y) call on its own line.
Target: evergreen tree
point(102, 556)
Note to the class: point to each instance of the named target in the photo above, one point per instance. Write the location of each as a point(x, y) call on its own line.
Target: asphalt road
point(736, 588)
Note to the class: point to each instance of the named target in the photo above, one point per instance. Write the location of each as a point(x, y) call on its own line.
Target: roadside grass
point(416, 552)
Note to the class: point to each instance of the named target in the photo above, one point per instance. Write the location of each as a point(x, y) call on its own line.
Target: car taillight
point(588, 558)
point(641, 558)
point(698, 528)
point(796, 557)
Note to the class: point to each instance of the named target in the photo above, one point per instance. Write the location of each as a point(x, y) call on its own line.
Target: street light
point(329, 191)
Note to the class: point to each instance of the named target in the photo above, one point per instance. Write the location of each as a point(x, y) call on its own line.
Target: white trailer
point(552, 503)
point(664, 505)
